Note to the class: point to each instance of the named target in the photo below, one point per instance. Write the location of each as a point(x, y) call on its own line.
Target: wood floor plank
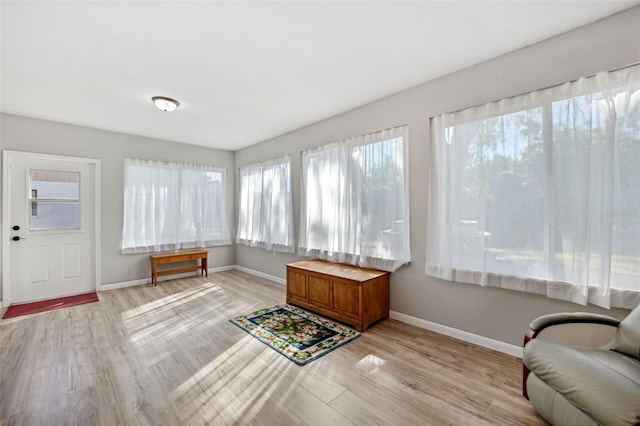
point(361, 412)
point(168, 355)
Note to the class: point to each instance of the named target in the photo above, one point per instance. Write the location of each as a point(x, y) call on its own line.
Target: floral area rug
point(297, 334)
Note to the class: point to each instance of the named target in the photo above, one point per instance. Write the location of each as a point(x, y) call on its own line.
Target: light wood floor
point(168, 355)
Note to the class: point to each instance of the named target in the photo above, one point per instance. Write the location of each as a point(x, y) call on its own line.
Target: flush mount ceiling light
point(165, 104)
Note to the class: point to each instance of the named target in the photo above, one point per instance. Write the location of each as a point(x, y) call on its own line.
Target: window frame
point(260, 234)
point(546, 99)
point(173, 192)
point(34, 200)
point(348, 217)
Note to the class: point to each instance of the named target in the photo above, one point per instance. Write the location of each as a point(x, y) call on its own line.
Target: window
point(55, 200)
point(170, 206)
point(265, 219)
point(354, 205)
point(540, 192)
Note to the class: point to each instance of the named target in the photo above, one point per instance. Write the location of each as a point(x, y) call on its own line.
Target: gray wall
point(494, 313)
point(32, 135)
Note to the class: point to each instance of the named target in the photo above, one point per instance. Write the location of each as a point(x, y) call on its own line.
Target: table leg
point(154, 273)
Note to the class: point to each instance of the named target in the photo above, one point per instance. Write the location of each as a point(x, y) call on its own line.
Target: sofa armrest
point(573, 329)
point(544, 321)
point(580, 329)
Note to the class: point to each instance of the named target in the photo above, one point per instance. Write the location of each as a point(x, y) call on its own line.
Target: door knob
point(15, 227)
point(16, 238)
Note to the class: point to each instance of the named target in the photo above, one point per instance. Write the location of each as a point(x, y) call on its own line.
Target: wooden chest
point(353, 295)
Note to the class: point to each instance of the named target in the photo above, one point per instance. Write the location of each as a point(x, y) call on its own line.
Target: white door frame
point(8, 156)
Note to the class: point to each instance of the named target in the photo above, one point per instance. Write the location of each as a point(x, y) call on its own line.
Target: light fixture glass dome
point(165, 104)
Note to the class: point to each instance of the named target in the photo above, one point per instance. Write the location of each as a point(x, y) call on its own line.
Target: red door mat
point(49, 305)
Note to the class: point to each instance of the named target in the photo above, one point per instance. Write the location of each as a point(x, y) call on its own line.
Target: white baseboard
point(124, 284)
point(143, 281)
point(486, 342)
point(278, 280)
point(221, 268)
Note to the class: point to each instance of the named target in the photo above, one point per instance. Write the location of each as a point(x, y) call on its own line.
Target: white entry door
point(50, 231)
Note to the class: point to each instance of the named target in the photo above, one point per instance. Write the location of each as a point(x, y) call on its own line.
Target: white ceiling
point(248, 71)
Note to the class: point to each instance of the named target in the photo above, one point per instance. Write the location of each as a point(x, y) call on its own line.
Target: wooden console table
point(183, 256)
point(353, 295)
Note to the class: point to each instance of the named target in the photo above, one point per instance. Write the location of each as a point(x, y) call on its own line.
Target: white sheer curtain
point(171, 206)
point(539, 192)
point(354, 203)
point(265, 218)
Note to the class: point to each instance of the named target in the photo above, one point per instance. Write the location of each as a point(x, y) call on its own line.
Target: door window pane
point(54, 200)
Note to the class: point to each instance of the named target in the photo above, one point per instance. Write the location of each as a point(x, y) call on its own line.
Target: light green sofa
point(584, 369)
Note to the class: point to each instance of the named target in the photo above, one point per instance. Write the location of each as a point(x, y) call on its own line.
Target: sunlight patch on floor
point(165, 323)
point(172, 300)
point(370, 363)
point(236, 385)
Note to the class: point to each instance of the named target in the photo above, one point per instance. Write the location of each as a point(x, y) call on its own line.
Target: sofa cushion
point(553, 407)
point(627, 338)
point(602, 383)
